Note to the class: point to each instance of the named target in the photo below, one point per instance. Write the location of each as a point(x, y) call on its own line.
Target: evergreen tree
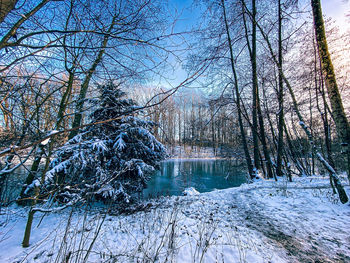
point(110, 159)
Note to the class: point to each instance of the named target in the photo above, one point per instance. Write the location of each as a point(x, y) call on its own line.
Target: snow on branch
point(56, 209)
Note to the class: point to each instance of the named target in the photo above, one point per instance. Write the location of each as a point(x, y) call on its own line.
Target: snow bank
point(190, 191)
point(261, 222)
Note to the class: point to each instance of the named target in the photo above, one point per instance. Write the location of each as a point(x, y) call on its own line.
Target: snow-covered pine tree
point(109, 160)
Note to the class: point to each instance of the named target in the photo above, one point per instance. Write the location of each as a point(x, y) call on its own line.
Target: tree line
point(268, 89)
point(273, 93)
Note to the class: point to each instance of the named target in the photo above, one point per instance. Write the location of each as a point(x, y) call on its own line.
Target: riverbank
point(198, 152)
point(261, 222)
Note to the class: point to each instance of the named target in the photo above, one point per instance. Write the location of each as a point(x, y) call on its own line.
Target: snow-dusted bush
point(111, 158)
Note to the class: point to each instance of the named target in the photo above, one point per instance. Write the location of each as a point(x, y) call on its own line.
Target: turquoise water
point(204, 175)
point(173, 178)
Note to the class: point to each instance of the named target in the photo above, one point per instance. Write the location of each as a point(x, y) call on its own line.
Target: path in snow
point(261, 222)
point(299, 248)
point(300, 220)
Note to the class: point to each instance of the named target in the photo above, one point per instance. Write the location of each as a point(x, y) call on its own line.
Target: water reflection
point(204, 175)
point(174, 176)
point(13, 184)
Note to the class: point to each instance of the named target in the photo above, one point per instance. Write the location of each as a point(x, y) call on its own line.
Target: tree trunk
point(280, 95)
point(6, 6)
point(256, 111)
point(340, 119)
point(84, 87)
point(4, 40)
point(263, 142)
point(238, 104)
point(27, 232)
point(255, 89)
point(334, 177)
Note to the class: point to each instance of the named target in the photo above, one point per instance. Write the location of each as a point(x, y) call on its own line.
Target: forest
point(174, 131)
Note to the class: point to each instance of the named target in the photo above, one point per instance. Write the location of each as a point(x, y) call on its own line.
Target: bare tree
point(238, 99)
point(341, 121)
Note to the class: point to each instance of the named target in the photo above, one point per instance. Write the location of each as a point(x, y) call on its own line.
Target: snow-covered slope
point(260, 222)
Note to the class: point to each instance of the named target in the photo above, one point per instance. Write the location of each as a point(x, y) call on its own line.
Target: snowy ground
point(261, 222)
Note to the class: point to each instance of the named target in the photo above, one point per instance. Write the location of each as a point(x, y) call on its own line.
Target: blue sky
point(337, 9)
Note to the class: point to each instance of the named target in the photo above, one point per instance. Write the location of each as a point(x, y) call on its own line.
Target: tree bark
point(256, 111)
point(340, 119)
point(255, 89)
point(280, 95)
point(4, 40)
point(332, 173)
point(6, 6)
point(28, 229)
point(238, 105)
point(84, 87)
point(263, 141)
